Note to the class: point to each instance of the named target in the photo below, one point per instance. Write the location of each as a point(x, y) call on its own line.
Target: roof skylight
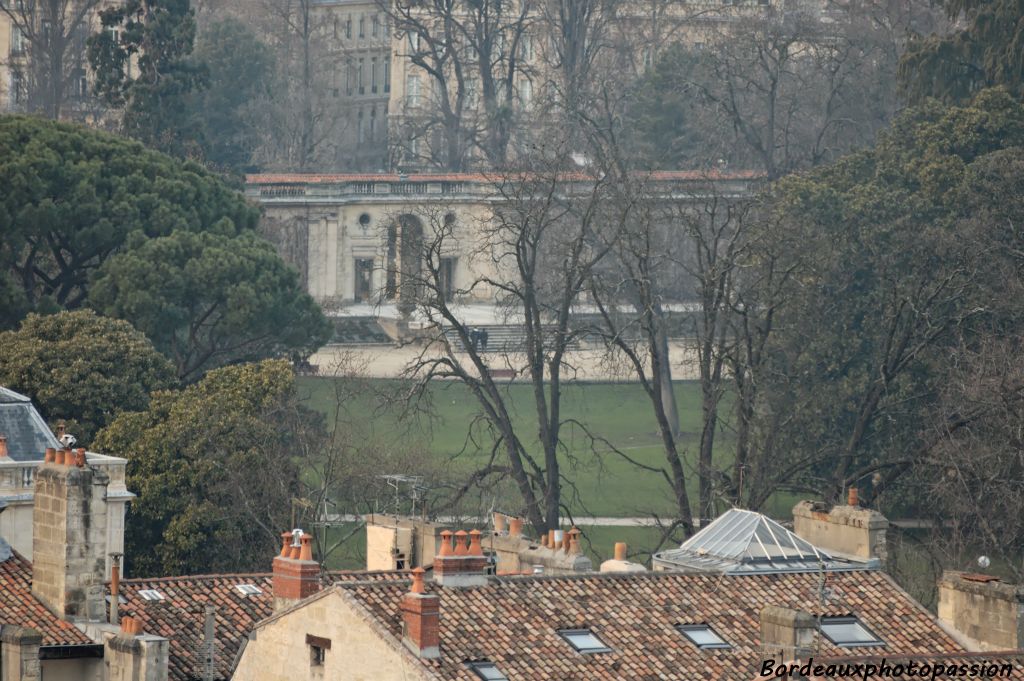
point(248, 589)
point(151, 595)
point(848, 632)
point(584, 641)
point(703, 636)
point(486, 671)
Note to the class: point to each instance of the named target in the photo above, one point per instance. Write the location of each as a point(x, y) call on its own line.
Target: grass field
point(606, 484)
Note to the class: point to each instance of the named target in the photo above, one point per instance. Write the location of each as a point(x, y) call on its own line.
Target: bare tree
point(51, 36)
point(471, 53)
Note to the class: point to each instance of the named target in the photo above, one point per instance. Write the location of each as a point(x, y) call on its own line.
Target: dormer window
point(703, 636)
point(848, 632)
point(584, 641)
point(486, 670)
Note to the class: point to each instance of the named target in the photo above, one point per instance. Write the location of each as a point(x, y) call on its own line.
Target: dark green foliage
point(988, 51)
point(240, 70)
point(156, 93)
point(208, 299)
point(215, 467)
point(82, 368)
point(72, 197)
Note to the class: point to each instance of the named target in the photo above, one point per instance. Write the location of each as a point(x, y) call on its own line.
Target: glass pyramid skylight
point(746, 541)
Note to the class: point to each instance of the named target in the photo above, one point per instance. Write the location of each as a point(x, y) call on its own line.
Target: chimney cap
point(417, 581)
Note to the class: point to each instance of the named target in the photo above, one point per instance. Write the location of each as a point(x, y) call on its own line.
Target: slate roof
point(19, 606)
point(27, 434)
point(181, 615)
point(513, 622)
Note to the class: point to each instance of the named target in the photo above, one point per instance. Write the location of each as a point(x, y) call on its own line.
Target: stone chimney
point(69, 537)
point(983, 609)
point(132, 655)
point(620, 563)
point(296, 574)
point(421, 619)
point(19, 653)
point(462, 564)
point(849, 530)
point(786, 634)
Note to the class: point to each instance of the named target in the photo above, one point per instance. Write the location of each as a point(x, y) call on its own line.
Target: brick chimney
point(849, 530)
point(985, 610)
point(421, 619)
point(460, 565)
point(132, 655)
point(296, 574)
point(69, 537)
point(786, 634)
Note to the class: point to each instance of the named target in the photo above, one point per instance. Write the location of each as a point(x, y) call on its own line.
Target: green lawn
point(606, 484)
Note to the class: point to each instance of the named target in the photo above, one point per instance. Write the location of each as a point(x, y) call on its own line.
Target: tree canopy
point(82, 368)
point(73, 196)
point(208, 299)
point(216, 464)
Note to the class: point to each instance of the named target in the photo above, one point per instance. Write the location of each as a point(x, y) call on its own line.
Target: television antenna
point(408, 486)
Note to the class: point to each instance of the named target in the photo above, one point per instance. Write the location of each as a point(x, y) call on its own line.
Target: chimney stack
point(851, 530)
point(786, 634)
point(463, 565)
point(620, 563)
point(131, 655)
point(69, 537)
point(19, 650)
point(296, 575)
point(421, 619)
point(984, 609)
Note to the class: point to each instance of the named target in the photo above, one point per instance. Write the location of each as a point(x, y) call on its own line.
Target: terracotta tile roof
point(513, 622)
point(19, 606)
point(315, 178)
point(181, 615)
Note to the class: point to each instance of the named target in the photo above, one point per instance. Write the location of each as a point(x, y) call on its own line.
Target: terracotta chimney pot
point(460, 543)
point(3, 446)
point(59, 460)
point(80, 459)
point(417, 581)
point(551, 540)
point(499, 523)
point(515, 527)
point(620, 550)
point(544, 540)
point(475, 549)
point(286, 545)
point(127, 624)
point(306, 550)
point(852, 497)
point(50, 456)
point(446, 543)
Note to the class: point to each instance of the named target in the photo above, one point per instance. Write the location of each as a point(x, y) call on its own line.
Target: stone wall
point(989, 613)
point(280, 649)
point(850, 530)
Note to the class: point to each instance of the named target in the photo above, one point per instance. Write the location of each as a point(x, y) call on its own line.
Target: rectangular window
point(348, 27)
point(525, 92)
point(387, 74)
point(361, 129)
point(373, 75)
point(486, 670)
point(375, 25)
point(373, 124)
point(446, 276)
point(318, 647)
point(362, 85)
point(584, 641)
point(412, 90)
point(848, 632)
point(362, 26)
point(364, 279)
point(17, 88)
point(349, 77)
point(17, 42)
point(703, 636)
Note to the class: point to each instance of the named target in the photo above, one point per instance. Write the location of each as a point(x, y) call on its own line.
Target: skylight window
point(248, 589)
point(151, 595)
point(703, 636)
point(848, 632)
point(584, 641)
point(486, 671)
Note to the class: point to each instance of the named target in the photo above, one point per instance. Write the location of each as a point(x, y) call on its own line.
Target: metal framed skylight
point(584, 641)
point(703, 636)
point(486, 670)
point(151, 595)
point(248, 589)
point(848, 632)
